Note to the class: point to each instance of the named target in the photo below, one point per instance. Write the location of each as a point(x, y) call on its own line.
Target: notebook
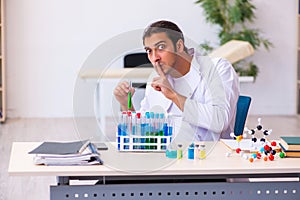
point(61, 148)
point(290, 142)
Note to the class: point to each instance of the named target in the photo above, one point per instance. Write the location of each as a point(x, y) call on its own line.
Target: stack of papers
point(66, 153)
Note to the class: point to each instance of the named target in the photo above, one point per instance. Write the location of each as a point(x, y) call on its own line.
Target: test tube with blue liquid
point(148, 129)
point(122, 126)
point(152, 130)
point(156, 128)
point(143, 131)
point(161, 124)
point(170, 125)
point(128, 129)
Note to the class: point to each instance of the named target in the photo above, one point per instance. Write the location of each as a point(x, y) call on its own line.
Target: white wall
point(48, 42)
point(274, 91)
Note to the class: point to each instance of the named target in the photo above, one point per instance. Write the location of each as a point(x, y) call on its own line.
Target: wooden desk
point(195, 179)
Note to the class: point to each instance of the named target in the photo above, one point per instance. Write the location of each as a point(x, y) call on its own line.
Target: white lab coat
point(212, 91)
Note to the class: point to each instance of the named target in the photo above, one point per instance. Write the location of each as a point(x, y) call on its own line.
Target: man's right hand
point(121, 93)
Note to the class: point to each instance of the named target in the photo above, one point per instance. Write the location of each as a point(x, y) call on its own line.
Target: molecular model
point(238, 138)
point(263, 149)
point(259, 128)
point(267, 151)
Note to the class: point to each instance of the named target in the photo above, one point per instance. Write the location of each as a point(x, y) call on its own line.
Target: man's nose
point(155, 57)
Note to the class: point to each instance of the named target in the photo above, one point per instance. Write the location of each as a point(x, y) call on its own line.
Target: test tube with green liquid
point(129, 102)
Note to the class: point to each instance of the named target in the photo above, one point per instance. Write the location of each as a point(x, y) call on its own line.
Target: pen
point(129, 103)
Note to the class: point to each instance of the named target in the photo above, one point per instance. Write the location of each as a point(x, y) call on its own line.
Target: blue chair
point(243, 105)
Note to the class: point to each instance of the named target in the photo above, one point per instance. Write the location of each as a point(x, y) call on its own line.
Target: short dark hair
point(171, 29)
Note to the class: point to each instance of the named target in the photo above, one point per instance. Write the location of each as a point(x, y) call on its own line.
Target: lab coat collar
point(195, 70)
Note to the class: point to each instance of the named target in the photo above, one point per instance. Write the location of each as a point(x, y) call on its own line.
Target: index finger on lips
point(160, 71)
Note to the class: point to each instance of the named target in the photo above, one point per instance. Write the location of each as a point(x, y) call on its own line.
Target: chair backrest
point(243, 105)
point(136, 60)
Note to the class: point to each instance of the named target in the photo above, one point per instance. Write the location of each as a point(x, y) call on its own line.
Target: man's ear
point(179, 45)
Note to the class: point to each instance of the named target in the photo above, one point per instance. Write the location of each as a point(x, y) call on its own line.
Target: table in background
point(138, 74)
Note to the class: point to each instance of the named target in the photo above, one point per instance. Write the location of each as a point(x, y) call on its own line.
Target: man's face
point(161, 52)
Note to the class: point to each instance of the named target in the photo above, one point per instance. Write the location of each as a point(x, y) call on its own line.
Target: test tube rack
point(141, 133)
point(135, 143)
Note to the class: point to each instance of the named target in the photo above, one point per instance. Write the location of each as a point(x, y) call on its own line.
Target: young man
point(202, 90)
